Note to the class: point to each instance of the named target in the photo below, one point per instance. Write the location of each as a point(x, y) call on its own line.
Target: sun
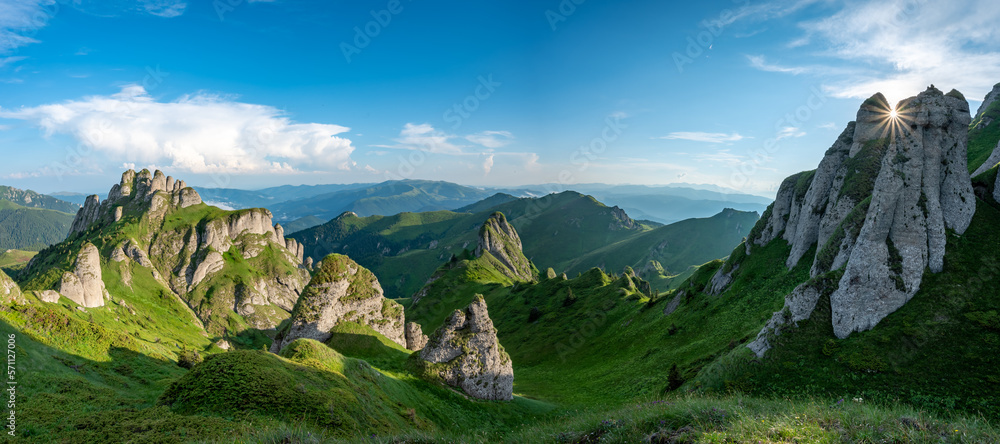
point(893, 114)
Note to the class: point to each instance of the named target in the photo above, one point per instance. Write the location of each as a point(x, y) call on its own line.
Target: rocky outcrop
point(415, 337)
point(500, 240)
point(922, 189)
point(201, 254)
point(342, 290)
point(49, 296)
point(137, 192)
point(9, 290)
point(84, 285)
point(621, 220)
point(465, 353)
point(982, 120)
point(877, 207)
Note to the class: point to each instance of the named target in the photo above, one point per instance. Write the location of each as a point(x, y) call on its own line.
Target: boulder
point(341, 290)
point(49, 296)
point(84, 285)
point(415, 337)
point(465, 353)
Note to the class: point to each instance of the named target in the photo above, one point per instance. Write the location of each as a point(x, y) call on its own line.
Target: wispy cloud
point(424, 137)
point(789, 131)
point(704, 137)
point(828, 126)
point(20, 20)
point(491, 139)
point(164, 8)
point(200, 133)
point(760, 63)
point(898, 47)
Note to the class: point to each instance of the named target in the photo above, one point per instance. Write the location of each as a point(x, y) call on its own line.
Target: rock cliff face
point(465, 353)
point(341, 290)
point(877, 208)
point(499, 239)
point(219, 263)
point(84, 285)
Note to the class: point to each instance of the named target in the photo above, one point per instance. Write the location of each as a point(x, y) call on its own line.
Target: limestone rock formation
point(877, 207)
point(9, 290)
point(84, 285)
point(500, 240)
point(981, 119)
point(199, 253)
point(415, 337)
point(341, 290)
point(465, 353)
point(50, 296)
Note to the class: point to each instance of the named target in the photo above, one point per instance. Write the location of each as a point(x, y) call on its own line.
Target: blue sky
point(250, 94)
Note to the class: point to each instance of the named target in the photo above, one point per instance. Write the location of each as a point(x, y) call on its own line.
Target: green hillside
point(671, 249)
point(984, 134)
point(31, 199)
point(560, 231)
point(383, 199)
point(23, 228)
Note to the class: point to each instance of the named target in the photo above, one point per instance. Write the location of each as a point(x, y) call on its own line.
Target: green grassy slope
point(983, 137)
point(25, 228)
point(675, 247)
point(939, 351)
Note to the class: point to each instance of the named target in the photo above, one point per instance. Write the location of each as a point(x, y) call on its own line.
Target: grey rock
point(922, 189)
point(991, 97)
point(465, 353)
point(914, 170)
point(9, 290)
point(799, 305)
point(49, 296)
point(499, 239)
point(342, 290)
point(415, 337)
point(84, 284)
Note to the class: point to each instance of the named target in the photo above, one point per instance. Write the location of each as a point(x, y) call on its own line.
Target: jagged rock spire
point(878, 207)
point(498, 238)
point(134, 191)
point(465, 353)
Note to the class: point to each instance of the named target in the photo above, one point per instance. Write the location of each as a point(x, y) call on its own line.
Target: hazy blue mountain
point(384, 199)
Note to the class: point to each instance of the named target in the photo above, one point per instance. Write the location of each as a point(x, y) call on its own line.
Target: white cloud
point(164, 8)
point(704, 137)
point(424, 137)
point(199, 133)
point(828, 126)
point(20, 20)
point(759, 62)
point(721, 156)
point(488, 163)
point(789, 131)
point(905, 45)
point(491, 139)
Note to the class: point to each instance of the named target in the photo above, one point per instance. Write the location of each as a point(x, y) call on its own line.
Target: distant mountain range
point(558, 231)
point(303, 206)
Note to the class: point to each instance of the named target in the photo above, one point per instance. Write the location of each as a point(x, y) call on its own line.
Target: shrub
point(188, 359)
